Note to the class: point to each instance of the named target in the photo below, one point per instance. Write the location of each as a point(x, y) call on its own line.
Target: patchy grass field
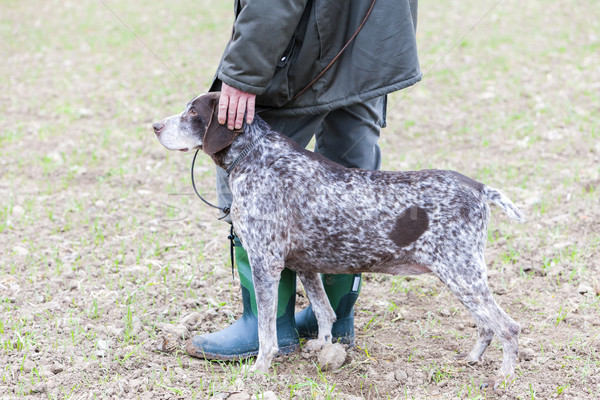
point(105, 251)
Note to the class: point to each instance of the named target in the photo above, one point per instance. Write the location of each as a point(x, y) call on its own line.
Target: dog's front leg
point(321, 307)
point(265, 275)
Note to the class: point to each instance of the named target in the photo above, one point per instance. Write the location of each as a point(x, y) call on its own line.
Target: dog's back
point(339, 220)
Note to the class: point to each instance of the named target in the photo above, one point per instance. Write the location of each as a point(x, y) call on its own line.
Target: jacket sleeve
point(261, 33)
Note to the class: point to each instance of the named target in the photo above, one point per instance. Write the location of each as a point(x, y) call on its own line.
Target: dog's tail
point(503, 202)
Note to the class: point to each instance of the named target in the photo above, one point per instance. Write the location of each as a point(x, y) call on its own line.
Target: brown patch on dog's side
point(410, 225)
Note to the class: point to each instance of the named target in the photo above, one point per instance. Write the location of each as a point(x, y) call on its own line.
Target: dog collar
point(245, 152)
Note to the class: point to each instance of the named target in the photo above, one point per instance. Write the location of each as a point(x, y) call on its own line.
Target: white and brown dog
point(296, 209)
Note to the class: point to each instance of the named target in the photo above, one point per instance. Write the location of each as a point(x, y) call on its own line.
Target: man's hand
point(232, 106)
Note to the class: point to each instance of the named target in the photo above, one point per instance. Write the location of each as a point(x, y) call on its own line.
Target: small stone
point(239, 383)
point(269, 395)
point(102, 348)
point(197, 284)
point(52, 305)
point(28, 366)
point(56, 157)
point(167, 343)
point(400, 375)
point(332, 356)
point(136, 325)
point(444, 312)
point(20, 251)
point(85, 113)
point(136, 385)
point(47, 370)
point(442, 383)
point(583, 289)
point(239, 396)
point(191, 319)
point(69, 274)
point(17, 211)
point(389, 376)
point(39, 387)
point(56, 368)
point(190, 303)
point(527, 354)
point(114, 331)
point(179, 331)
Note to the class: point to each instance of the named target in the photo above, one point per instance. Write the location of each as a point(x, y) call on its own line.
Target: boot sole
point(237, 357)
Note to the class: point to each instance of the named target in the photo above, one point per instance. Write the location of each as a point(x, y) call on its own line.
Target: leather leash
point(300, 93)
point(337, 56)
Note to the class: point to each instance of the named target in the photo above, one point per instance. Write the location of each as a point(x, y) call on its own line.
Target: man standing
point(286, 57)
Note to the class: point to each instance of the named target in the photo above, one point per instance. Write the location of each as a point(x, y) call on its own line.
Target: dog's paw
point(465, 357)
point(498, 382)
point(260, 366)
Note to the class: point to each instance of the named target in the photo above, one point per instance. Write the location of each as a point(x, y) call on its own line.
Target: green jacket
point(278, 47)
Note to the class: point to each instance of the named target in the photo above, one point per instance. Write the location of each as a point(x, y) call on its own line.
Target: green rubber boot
point(342, 291)
point(240, 340)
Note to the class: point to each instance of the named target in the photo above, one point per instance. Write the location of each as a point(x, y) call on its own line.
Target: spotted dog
point(294, 208)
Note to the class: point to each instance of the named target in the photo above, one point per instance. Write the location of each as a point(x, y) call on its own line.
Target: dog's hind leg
point(321, 307)
point(472, 290)
point(483, 341)
point(266, 273)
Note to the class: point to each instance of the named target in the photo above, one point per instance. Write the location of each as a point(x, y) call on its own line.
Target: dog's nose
point(158, 127)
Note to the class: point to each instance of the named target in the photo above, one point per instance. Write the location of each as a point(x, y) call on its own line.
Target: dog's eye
point(192, 113)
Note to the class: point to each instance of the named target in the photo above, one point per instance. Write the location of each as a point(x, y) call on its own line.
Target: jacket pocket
point(292, 62)
point(278, 91)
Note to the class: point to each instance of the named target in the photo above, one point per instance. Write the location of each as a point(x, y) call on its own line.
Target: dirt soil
point(107, 260)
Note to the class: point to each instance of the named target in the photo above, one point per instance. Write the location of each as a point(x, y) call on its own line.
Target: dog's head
point(196, 127)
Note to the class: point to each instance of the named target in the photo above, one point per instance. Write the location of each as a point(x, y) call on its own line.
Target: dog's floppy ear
point(217, 137)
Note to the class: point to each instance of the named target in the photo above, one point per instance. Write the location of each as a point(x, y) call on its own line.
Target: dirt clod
point(20, 251)
point(332, 356)
point(102, 348)
point(444, 312)
point(400, 375)
point(239, 396)
point(167, 343)
point(583, 289)
point(28, 366)
point(192, 319)
point(56, 368)
point(39, 387)
point(179, 331)
point(269, 395)
point(527, 354)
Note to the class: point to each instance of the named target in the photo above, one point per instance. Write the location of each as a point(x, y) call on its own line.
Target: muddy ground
point(105, 251)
